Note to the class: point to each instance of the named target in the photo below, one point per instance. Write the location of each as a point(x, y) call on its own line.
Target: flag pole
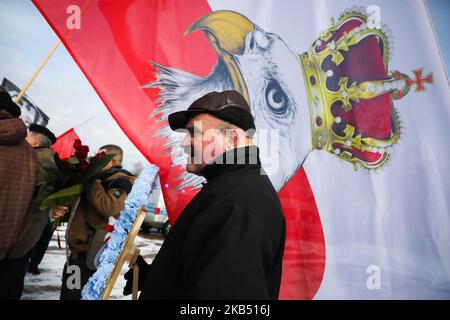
point(43, 63)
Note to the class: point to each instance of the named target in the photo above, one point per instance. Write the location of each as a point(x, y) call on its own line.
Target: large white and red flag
point(360, 157)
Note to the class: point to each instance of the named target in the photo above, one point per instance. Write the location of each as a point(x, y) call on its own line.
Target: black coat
point(228, 242)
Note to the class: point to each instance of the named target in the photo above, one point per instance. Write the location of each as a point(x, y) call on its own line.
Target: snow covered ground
point(46, 286)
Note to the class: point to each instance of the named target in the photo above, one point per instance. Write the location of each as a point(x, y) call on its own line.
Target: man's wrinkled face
point(203, 142)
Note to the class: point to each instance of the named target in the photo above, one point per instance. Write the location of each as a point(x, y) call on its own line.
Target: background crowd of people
point(25, 227)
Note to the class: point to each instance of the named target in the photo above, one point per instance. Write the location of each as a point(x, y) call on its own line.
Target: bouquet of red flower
point(71, 175)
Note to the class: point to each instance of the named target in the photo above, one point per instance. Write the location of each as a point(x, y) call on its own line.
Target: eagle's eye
point(276, 98)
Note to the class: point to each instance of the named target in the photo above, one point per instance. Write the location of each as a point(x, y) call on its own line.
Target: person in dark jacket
point(18, 174)
point(228, 242)
point(39, 234)
point(34, 233)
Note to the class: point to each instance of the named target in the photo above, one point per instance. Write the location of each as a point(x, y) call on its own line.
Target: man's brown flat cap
point(228, 105)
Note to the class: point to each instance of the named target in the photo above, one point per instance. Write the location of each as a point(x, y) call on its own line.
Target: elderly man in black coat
point(228, 242)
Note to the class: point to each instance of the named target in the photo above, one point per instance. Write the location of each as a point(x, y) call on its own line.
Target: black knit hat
point(227, 105)
point(8, 104)
point(42, 130)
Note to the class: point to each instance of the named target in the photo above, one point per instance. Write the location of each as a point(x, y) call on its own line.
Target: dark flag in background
point(30, 112)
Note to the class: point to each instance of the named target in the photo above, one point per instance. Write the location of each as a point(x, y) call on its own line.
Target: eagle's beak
point(226, 31)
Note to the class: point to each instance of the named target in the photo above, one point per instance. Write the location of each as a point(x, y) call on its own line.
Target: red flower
point(100, 154)
point(83, 149)
point(77, 144)
point(81, 156)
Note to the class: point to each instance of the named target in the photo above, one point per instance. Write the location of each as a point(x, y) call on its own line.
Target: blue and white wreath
point(138, 196)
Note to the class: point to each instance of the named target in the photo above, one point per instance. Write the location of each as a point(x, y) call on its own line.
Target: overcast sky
point(62, 91)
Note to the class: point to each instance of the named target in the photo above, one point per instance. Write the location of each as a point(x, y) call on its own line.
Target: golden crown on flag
point(350, 90)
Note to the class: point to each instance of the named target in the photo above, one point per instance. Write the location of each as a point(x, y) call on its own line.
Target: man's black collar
point(113, 170)
point(243, 157)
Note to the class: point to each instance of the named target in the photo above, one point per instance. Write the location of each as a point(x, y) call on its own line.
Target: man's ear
point(233, 138)
point(114, 162)
point(35, 141)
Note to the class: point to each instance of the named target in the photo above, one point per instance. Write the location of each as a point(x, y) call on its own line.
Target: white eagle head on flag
point(337, 96)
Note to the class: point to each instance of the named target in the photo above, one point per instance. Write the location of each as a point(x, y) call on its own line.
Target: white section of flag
point(395, 222)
